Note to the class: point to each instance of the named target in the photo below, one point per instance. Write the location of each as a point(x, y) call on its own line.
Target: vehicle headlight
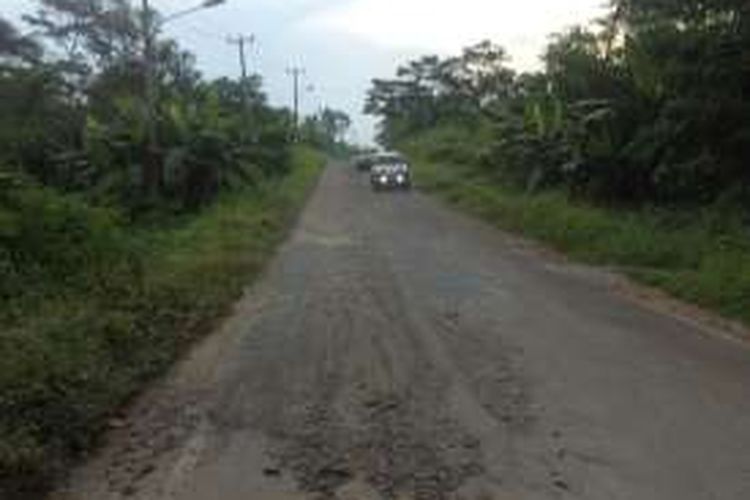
point(400, 178)
point(384, 179)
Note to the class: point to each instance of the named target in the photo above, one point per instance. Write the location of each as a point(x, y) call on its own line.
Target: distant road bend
point(396, 349)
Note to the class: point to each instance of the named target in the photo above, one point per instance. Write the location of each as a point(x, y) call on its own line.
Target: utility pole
point(151, 177)
point(296, 72)
point(241, 41)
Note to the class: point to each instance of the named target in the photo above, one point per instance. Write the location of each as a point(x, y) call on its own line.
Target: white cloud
point(443, 26)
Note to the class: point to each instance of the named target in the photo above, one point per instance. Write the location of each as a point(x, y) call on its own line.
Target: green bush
point(108, 306)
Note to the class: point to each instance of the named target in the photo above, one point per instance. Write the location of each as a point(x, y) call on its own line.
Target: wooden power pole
point(296, 73)
point(151, 168)
point(243, 41)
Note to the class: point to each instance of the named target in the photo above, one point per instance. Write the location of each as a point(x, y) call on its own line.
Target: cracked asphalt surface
point(396, 349)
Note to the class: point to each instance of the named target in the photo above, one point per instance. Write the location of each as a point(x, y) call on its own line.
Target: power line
point(194, 30)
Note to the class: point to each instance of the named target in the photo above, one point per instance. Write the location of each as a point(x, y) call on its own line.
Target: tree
point(75, 119)
point(432, 90)
point(478, 77)
point(335, 124)
point(326, 130)
point(652, 107)
point(16, 48)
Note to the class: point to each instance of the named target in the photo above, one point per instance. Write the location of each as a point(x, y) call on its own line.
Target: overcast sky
point(343, 44)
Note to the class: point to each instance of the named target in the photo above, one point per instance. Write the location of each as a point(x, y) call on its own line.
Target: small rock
point(117, 423)
point(146, 470)
point(335, 472)
point(272, 472)
point(561, 484)
point(128, 491)
point(452, 315)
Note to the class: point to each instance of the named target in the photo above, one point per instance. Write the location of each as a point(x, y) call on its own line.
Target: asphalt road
point(398, 350)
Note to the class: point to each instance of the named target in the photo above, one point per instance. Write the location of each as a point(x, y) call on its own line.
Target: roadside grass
point(83, 330)
point(702, 257)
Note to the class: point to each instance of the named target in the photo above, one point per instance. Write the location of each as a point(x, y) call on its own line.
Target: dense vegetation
point(651, 107)
point(105, 306)
point(326, 131)
point(136, 200)
point(630, 147)
point(96, 103)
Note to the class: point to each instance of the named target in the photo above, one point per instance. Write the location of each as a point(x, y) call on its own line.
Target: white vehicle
point(390, 171)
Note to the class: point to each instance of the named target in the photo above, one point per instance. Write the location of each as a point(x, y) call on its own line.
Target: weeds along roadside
point(102, 308)
point(702, 256)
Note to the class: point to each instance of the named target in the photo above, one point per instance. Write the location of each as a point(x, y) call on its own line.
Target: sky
point(343, 44)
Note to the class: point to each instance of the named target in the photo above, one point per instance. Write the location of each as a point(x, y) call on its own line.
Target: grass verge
point(85, 331)
point(698, 257)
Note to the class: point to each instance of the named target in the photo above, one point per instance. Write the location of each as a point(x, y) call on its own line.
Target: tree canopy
point(96, 99)
point(650, 104)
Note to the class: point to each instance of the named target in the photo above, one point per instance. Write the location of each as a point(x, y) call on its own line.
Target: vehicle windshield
point(388, 160)
point(394, 167)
